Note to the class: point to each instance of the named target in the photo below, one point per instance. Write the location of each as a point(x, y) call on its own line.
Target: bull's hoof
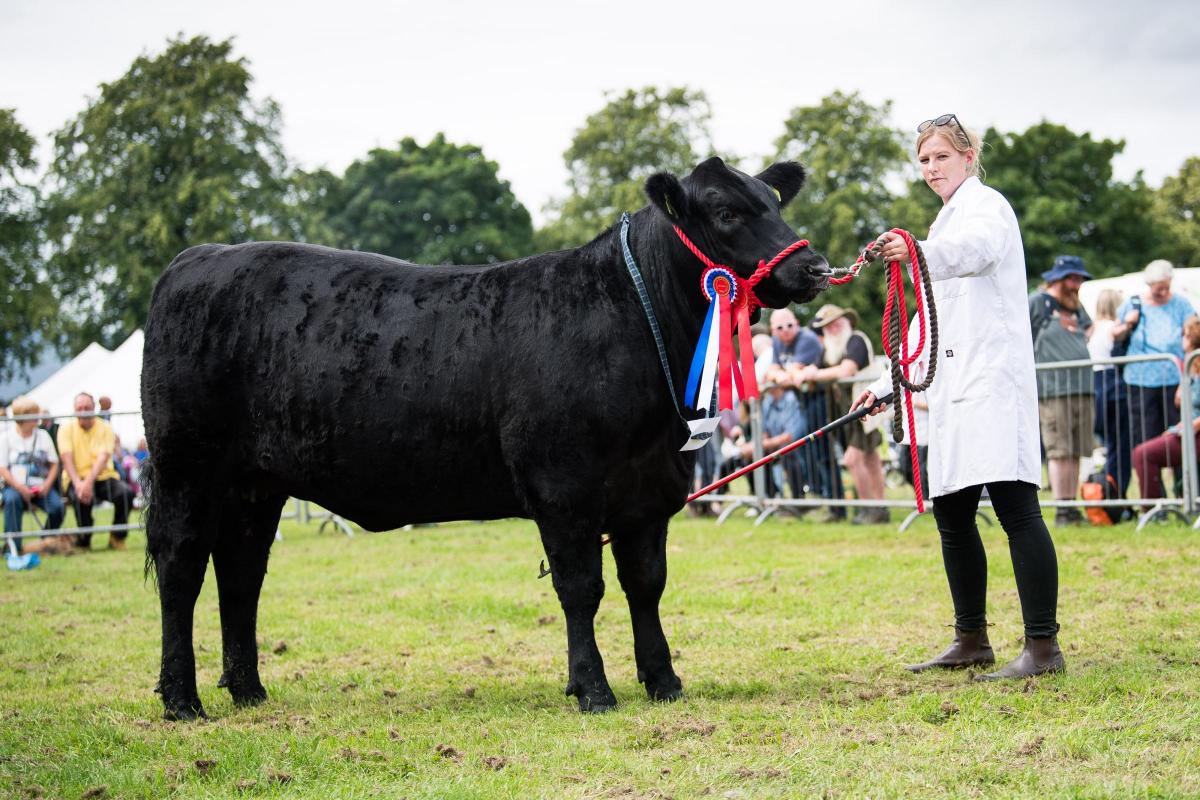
point(665, 692)
point(187, 711)
point(596, 700)
point(247, 694)
point(662, 688)
point(223, 681)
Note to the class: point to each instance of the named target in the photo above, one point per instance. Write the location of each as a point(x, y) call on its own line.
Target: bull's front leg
point(576, 569)
point(641, 556)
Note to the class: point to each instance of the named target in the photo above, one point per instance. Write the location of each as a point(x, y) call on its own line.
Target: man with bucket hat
point(1061, 328)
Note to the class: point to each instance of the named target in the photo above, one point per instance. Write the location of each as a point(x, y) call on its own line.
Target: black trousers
point(114, 491)
point(1034, 560)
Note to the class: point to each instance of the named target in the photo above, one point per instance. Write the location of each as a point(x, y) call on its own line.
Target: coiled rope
point(895, 333)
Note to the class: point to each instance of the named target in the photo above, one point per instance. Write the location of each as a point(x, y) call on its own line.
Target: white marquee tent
point(99, 371)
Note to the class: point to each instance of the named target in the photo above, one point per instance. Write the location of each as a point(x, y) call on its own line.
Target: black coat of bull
point(392, 393)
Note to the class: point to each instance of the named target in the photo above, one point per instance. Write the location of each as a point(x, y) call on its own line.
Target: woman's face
point(943, 168)
point(1159, 292)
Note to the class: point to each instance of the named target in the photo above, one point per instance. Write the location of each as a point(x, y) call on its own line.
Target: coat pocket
point(966, 369)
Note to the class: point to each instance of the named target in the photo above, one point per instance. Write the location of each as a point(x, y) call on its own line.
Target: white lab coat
point(983, 411)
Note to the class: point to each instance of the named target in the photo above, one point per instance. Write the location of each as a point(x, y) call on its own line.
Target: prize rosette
point(713, 360)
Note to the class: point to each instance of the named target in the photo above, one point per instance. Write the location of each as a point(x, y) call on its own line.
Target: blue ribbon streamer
point(693, 381)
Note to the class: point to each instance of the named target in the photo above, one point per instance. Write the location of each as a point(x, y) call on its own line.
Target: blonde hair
point(23, 406)
point(962, 139)
point(1107, 304)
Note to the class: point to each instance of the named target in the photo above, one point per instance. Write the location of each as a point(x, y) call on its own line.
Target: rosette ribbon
point(713, 361)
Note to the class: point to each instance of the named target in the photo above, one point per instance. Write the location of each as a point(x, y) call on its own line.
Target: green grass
point(382, 650)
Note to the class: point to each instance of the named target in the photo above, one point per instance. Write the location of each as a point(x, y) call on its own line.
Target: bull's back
point(319, 369)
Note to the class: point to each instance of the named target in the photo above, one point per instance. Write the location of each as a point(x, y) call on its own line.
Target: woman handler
point(983, 411)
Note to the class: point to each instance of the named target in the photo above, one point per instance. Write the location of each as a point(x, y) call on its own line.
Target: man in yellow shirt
point(85, 445)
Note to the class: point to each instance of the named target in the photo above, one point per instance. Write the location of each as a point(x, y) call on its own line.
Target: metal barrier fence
point(1095, 419)
point(1087, 400)
point(300, 510)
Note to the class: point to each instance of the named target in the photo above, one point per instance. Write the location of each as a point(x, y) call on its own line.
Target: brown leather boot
point(970, 649)
point(1039, 657)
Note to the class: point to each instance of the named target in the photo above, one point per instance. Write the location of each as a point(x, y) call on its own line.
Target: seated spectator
point(847, 352)
point(1166, 450)
point(29, 467)
point(783, 423)
point(86, 445)
point(794, 347)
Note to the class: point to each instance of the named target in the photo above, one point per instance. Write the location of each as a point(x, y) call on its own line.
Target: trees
point(172, 154)
point(633, 136)
point(1177, 208)
point(29, 307)
point(852, 155)
point(433, 204)
point(1060, 184)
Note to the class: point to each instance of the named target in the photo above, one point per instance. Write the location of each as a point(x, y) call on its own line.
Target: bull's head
point(734, 218)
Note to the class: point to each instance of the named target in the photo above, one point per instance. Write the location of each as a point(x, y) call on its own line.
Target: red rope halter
point(745, 286)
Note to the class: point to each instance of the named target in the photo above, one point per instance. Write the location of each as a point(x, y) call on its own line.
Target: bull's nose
point(821, 269)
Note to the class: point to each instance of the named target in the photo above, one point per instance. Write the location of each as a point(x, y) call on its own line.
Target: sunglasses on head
point(944, 119)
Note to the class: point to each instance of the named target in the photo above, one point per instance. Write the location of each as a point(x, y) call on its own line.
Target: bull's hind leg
point(573, 550)
point(641, 556)
point(179, 537)
point(244, 538)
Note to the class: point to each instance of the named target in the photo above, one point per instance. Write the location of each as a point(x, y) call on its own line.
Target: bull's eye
point(727, 216)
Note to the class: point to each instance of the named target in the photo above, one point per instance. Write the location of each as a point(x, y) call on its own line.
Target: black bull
point(392, 393)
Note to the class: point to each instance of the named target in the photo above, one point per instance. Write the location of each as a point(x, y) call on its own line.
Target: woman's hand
point(894, 248)
point(868, 400)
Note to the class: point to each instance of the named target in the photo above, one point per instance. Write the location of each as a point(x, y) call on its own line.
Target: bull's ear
point(666, 192)
point(785, 177)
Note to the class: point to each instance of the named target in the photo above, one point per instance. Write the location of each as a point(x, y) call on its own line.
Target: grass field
point(431, 664)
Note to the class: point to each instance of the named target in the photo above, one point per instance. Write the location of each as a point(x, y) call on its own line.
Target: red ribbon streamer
point(725, 356)
point(746, 352)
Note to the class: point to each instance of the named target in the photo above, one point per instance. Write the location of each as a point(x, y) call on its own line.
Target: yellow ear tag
point(667, 203)
point(777, 194)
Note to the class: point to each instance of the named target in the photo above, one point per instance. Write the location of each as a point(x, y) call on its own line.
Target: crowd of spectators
point(48, 467)
point(1128, 415)
point(801, 368)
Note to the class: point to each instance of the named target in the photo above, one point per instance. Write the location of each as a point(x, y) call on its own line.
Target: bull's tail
point(146, 478)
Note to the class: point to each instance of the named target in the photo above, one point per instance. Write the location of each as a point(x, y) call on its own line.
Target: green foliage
point(27, 323)
point(852, 156)
point(635, 135)
point(172, 154)
point(1060, 184)
point(440, 203)
point(1177, 207)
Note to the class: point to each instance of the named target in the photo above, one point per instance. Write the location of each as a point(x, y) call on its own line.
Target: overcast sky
point(519, 77)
